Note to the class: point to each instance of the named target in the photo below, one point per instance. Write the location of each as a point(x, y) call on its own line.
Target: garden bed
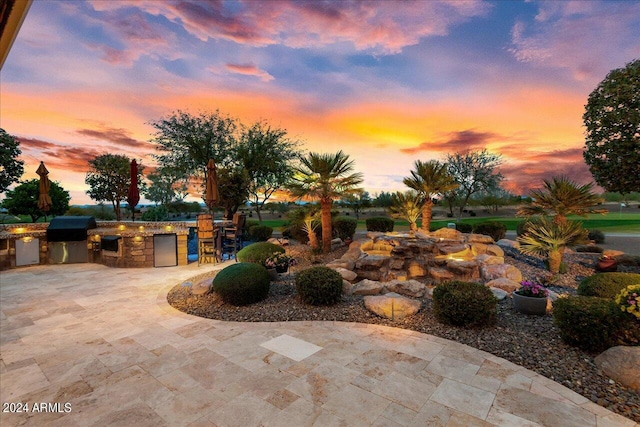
point(529, 341)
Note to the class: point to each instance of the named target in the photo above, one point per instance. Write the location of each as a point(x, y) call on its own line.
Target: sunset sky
point(387, 82)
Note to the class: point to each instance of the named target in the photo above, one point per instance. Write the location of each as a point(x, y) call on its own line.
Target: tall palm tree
point(429, 179)
point(406, 206)
point(562, 197)
point(548, 238)
point(325, 177)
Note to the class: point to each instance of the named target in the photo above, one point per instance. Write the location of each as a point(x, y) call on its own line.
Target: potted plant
point(280, 262)
point(531, 298)
point(606, 264)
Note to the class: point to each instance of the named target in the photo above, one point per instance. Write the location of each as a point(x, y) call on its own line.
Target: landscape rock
point(280, 241)
point(621, 364)
point(339, 263)
point(347, 287)
point(346, 274)
point(440, 274)
point(367, 287)
point(495, 250)
point(499, 293)
point(452, 249)
point(371, 262)
point(410, 288)
point(479, 238)
point(392, 305)
point(495, 271)
point(447, 234)
point(489, 259)
point(504, 284)
point(417, 268)
point(506, 243)
point(202, 288)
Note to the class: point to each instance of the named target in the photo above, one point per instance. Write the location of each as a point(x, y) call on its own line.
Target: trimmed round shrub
point(464, 227)
point(607, 285)
point(379, 223)
point(593, 249)
point(248, 224)
point(258, 252)
point(594, 324)
point(345, 227)
point(319, 286)
point(242, 283)
point(465, 304)
point(496, 230)
point(596, 235)
point(260, 233)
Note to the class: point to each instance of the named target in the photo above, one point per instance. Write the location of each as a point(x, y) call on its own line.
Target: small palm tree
point(325, 177)
point(406, 206)
point(429, 179)
point(562, 197)
point(548, 238)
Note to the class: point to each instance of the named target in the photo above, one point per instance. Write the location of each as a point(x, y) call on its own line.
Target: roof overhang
point(12, 13)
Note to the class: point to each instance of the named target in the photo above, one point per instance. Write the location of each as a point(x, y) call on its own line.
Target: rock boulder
point(621, 364)
point(392, 305)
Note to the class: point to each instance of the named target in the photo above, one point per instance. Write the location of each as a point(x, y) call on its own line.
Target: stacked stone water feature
point(407, 264)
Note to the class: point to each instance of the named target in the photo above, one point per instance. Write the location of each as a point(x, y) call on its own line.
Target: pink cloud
point(114, 135)
point(249, 70)
point(587, 38)
point(456, 142)
point(58, 156)
point(384, 27)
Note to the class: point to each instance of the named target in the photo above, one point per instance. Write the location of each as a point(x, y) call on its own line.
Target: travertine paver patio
point(106, 342)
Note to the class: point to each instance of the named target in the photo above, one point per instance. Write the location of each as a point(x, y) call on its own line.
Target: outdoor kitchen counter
point(145, 231)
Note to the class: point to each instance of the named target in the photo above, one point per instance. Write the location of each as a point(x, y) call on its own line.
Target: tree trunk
point(326, 225)
point(258, 212)
point(116, 208)
point(313, 239)
point(426, 215)
point(413, 226)
point(555, 259)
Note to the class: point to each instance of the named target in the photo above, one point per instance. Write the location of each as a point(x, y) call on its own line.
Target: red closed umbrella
point(211, 195)
point(44, 200)
point(133, 196)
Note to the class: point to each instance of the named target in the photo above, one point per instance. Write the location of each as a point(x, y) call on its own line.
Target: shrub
point(496, 230)
point(379, 223)
point(597, 236)
point(463, 227)
point(242, 283)
point(594, 324)
point(629, 300)
point(521, 227)
point(607, 285)
point(319, 286)
point(589, 249)
point(258, 252)
point(472, 213)
point(260, 233)
point(155, 213)
point(246, 230)
point(345, 227)
point(465, 304)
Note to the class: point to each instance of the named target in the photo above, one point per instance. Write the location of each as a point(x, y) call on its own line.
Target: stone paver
point(102, 346)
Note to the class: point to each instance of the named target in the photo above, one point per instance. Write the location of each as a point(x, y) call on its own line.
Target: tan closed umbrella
point(211, 196)
point(44, 200)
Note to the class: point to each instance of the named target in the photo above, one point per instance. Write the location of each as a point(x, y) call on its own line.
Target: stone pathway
point(101, 346)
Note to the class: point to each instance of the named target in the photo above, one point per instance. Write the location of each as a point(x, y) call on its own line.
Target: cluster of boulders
point(397, 267)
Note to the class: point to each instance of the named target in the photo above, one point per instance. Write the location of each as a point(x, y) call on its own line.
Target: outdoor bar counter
point(113, 243)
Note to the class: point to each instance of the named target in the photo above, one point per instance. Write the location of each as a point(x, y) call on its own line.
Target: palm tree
point(562, 197)
point(429, 179)
point(325, 177)
point(549, 238)
point(406, 206)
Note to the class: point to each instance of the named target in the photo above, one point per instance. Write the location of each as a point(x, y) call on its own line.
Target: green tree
point(407, 205)
point(167, 185)
point(109, 179)
point(11, 169)
point(186, 142)
point(612, 121)
point(266, 154)
point(429, 179)
point(562, 197)
point(548, 238)
point(474, 171)
point(357, 202)
point(382, 200)
point(233, 184)
point(325, 177)
point(23, 200)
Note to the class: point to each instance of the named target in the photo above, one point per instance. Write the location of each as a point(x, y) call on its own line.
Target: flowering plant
point(279, 260)
point(532, 289)
point(629, 300)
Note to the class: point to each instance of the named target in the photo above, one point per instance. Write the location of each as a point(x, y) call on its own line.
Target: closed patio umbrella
point(211, 195)
point(133, 196)
point(44, 200)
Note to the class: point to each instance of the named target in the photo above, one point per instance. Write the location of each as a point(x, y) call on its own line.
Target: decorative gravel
point(529, 341)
